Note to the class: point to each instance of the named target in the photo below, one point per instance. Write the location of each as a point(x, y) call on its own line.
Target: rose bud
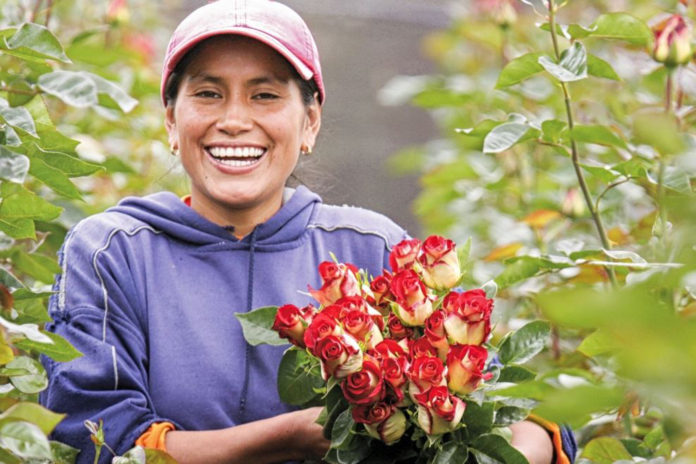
point(414, 305)
point(382, 421)
point(323, 325)
point(291, 322)
point(361, 304)
point(340, 356)
point(394, 371)
point(381, 293)
point(438, 411)
point(435, 333)
point(425, 372)
point(365, 386)
point(361, 326)
point(440, 263)
point(397, 329)
point(338, 280)
point(672, 41)
point(404, 254)
point(465, 367)
point(421, 347)
point(467, 317)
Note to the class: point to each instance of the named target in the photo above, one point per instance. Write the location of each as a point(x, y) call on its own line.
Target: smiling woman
point(150, 287)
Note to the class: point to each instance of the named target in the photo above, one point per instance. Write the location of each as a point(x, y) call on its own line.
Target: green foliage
point(257, 324)
point(573, 176)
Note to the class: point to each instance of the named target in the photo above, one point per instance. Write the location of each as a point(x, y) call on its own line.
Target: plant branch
point(609, 187)
point(574, 148)
point(35, 12)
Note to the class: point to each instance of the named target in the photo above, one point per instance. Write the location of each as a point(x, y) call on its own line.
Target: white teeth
point(238, 163)
point(236, 152)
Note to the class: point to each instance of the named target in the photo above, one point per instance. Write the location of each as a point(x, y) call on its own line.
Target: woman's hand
point(309, 437)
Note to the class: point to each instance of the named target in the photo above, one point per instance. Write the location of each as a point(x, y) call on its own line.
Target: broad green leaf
point(522, 267)
point(24, 440)
point(533, 389)
point(603, 173)
point(6, 352)
point(478, 418)
point(74, 88)
point(60, 350)
point(572, 66)
point(600, 135)
point(70, 165)
point(576, 405)
point(257, 324)
point(119, 97)
point(62, 453)
point(35, 381)
point(342, 428)
point(42, 268)
point(22, 92)
point(298, 377)
point(54, 178)
point(9, 280)
point(508, 415)
point(13, 166)
point(599, 68)
point(18, 228)
point(551, 130)
point(452, 452)
point(577, 31)
point(20, 203)
point(7, 458)
point(524, 343)
point(45, 419)
point(30, 331)
point(635, 167)
point(598, 343)
point(622, 26)
point(519, 69)
point(34, 42)
point(676, 179)
point(18, 118)
point(515, 374)
point(605, 450)
point(491, 448)
point(155, 456)
point(507, 135)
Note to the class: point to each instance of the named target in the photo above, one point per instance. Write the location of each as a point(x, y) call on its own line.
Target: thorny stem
point(574, 148)
point(661, 163)
point(668, 91)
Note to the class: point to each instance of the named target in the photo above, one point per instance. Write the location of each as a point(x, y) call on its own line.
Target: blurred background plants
point(567, 153)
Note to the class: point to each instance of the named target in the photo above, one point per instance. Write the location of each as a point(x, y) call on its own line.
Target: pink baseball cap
point(267, 21)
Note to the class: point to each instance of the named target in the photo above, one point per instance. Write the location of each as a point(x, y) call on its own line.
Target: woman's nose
point(235, 118)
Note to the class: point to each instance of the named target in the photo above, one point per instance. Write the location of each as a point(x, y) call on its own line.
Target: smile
point(236, 156)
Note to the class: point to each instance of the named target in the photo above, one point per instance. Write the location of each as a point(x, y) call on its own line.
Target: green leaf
point(519, 69)
point(605, 450)
point(8, 279)
point(342, 430)
point(155, 456)
point(572, 66)
point(599, 68)
point(117, 98)
point(452, 452)
point(577, 405)
point(70, 165)
point(24, 440)
point(39, 267)
point(257, 324)
point(508, 415)
point(74, 88)
point(597, 134)
point(60, 350)
point(34, 42)
point(22, 92)
point(622, 26)
point(18, 118)
point(515, 374)
point(478, 419)
point(298, 377)
point(134, 455)
point(18, 228)
point(660, 130)
point(13, 166)
point(55, 179)
point(20, 203)
point(7, 458)
point(551, 130)
point(34, 382)
point(598, 342)
point(524, 343)
point(45, 419)
point(676, 179)
point(492, 448)
point(507, 135)
point(522, 267)
point(62, 453)
point(30, 331)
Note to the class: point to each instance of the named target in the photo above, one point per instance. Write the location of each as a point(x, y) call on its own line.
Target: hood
point(166, 212)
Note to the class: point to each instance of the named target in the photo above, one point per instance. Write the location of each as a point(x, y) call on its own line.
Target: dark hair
point(308, 88)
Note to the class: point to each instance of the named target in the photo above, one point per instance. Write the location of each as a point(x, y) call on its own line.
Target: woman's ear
point(170, 125)
point(312, 123)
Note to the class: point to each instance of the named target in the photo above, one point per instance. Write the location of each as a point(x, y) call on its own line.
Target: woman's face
point(239, 123)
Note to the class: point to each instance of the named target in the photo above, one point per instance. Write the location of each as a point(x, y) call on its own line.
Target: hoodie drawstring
point(247, 348)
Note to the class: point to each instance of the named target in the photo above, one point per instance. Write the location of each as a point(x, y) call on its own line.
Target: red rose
point(322, 325)
point(438, 411)
point(397, 330)
point(394, 371)
point(358, 303)
point(404, 254)
point(362, 327)
point(338, 280)
point(421, 347)
point(381, 420)
point(672, 45)
point(426, 372)
point(468, 317)
point(440, 263)
point(365, 386)
point(465, 367)
point(413, 303)
point(389, 348)
point(381, 292)
point(340, 356)
point(435, 333)
point(291, 322)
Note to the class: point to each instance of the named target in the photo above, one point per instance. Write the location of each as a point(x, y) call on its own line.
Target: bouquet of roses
point(402, 362)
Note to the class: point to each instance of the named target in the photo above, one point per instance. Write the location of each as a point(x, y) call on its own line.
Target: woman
point(150, 287)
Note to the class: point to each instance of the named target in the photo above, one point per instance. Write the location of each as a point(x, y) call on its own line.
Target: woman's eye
point(207, 94)
point(265, 96)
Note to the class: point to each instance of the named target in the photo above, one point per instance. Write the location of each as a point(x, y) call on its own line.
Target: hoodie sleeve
point(96, 308)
